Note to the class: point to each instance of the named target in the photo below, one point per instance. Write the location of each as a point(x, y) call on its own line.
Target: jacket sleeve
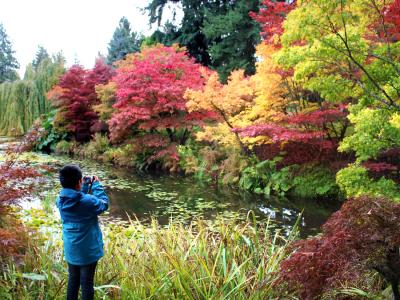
point(98, 201)
point(85, 188)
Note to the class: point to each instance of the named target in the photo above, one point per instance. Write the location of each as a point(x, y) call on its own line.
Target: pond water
point(181, 198)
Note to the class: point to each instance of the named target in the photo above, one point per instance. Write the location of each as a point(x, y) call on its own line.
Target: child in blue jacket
point(83, 242)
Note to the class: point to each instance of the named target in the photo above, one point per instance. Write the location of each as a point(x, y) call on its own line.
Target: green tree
point(23, 101)
point(41, 54)
point(124, 41)
point(8, 63)
point(233, 37)
point(219, 34)
point(167, 35)
point(349, 51)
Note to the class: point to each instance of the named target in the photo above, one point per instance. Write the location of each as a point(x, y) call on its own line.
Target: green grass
point(220, 260)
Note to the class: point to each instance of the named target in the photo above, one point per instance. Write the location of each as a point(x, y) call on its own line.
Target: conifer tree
point(124, 41)
point(41, 54)
point(8, 63)
point(210, 32)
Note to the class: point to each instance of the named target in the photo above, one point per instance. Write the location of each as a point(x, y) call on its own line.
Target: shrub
point(361, 237)
point(314, 181)
point(97, 146)
point(264, 178)
point(65, 147)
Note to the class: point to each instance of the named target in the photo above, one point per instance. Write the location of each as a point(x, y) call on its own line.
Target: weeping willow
point(23, 101)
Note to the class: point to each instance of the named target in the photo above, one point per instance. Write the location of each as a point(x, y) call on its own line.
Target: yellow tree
point(228, 101)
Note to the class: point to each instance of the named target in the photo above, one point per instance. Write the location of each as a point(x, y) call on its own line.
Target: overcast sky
point(80, 28)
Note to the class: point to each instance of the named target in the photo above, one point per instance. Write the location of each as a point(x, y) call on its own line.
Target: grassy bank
point(223, 260)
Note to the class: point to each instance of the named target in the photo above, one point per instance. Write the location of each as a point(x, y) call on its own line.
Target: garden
point(249, 152)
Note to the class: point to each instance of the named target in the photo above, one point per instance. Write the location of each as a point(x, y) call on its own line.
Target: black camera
point(88, 179)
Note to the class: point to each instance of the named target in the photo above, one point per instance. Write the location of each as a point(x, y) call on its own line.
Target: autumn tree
point(271, 17)
point(339, 56)
point(228, 102)
point(75, 97)
point(150, 106)
point(360, 238)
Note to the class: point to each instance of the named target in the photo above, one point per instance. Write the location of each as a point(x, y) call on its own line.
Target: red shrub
point(363, 235)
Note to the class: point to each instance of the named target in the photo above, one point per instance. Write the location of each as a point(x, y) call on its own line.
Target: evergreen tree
point(168, 35)
point(233, 36)
point(218, 33)
point(8, 63)
point(41, 54)
point(123, 42)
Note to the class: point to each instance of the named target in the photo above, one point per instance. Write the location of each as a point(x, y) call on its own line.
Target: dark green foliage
point(50, 137)
point(219, 34)
point(41, 55)
point(264, 178)
point(23, 101)
point(8, 63)
point(123, 42)
point(168, 35)
point(233, 37)
point(313, 182)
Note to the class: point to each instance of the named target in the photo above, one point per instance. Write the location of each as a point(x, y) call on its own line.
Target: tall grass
point(221, 260)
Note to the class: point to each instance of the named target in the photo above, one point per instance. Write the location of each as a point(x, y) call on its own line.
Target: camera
point(89, 179)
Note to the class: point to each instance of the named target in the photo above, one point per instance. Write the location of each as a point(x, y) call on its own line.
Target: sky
point(80, 28)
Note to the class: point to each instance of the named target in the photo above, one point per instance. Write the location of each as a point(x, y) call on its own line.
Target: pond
point(164, 197)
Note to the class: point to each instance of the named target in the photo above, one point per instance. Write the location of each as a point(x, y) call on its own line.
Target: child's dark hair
point(70, 175)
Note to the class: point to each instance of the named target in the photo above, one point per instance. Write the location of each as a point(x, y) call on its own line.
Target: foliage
point(18, 179)
point(75, 96)
point(8, 63)
point(106, 94)
point(231, 49)
point(271, 17)
point(41, 55)
point(314, 182)
point(355, 181)
point(123, 42)
point(362, 236)
point(97, 146)
point(65, 147)
point(150, 106)
point(209, 32)
point(167, 35)
point(264, 178)
point(227, 102)
point(23, 101)
point(348, 52)
point(199, 261)
point(303, 137)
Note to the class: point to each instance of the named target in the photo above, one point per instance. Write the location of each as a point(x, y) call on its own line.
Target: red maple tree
point(387, 24)
point(76, 97)
point(150, 98)
point(362, 236)
point(271, 17)
point(303, 137)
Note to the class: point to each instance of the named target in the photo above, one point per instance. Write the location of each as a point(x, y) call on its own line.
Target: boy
point(83, 242)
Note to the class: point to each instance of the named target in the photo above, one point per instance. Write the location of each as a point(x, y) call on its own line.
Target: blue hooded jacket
point(83, 241)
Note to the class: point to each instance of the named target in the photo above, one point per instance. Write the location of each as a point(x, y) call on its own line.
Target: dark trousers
point(83, 276)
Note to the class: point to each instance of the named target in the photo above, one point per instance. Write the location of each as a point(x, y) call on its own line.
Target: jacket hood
point(69, 198)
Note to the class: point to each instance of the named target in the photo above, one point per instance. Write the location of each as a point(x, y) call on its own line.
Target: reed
point(202, 260)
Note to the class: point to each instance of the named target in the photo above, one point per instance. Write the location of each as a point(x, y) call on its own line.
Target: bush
point(97, 146)
point(359, 239)
point(65, 147)
point(264, 178)
point(314, 181)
